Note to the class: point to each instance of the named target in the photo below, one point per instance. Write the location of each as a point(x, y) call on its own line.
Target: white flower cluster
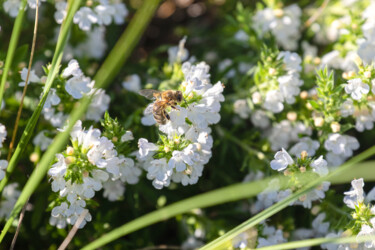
point(284, 24)
point(102, 12)
point(366, 46)
point(288, 84)
point(13, 6)
point(284, 133)
point(364, 214)
point(340, 147)
point(187, 131)
point(77, 85)
point(266, 236)
point(273, 194)
point(9, 197)
point(358, 105)
point(90, 165)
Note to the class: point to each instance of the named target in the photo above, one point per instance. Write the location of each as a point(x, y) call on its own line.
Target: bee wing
point(149, 93)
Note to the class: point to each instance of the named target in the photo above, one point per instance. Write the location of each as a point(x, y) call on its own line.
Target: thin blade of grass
point(12, 47)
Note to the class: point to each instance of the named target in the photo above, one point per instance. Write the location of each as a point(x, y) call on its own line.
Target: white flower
point(260, 119)
point(305, 144)
point(94, 46)
point(364, 121)
point(282, 160)
point(120, 13)
point(291, 60)
point(73, 69)
point(132, 83)
point(113, 190)
point(355, 195)
point(146, 147)
point(366, 50)
point(104, 14)
point(316, 194)
point(241, 108)
point(12, 7)
point(334, 160)
point(85, 17)
point(52, 99)
point(42, 140)
point(3, 134)
point(128, 136)
point(271, 237)
point(289, 87)
point(32, 77)
point(274, 101)
point(77, 86)
point(320, 166)
point(32, 3)
point(341, 144)
point(178, 53)
point(99, 104)
point(3, 166)
point(366, 230)
point(160, 172)
point(10, 196)
point(59, 168)
point(60, 13)
point(356, 88)
point(347, 108)
point(320, 227)
point(129, 173)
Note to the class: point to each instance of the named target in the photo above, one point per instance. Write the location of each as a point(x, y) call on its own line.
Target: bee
point(163, 99)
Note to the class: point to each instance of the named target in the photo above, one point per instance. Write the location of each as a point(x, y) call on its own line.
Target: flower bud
point(315, 210)
point(292, 116)
point(70, 159)
point(304, 155)
point(34, 157)
point(278, 12)
point(367, 74)
point(317, 60)
point(114, 139)
point(335, 126)
point(302, 169)
point(256, 97)
point(69, 150)
point(304, 94)
point(272, 71)
point(287, 172)
point(302, 198)
point(318, 121)
point(43, 79)
point(351, 74)
point(167, 149)
point(345, 75)
point(177, 141)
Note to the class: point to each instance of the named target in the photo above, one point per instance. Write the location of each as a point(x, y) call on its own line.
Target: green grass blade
point(319, 241)
point(73, 6)
point(12, 47)
point(122, 49)
point(224, 240)
point(223, 195)
point(55, 65)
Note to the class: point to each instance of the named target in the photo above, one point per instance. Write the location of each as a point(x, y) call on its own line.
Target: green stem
point(12, 47)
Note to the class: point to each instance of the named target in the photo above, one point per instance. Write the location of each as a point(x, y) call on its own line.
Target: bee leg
point(166, 115)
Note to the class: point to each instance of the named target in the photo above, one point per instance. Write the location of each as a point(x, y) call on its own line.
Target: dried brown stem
point(19, 226)
point(26, 82)
point(73, 231)
point(313, 18)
